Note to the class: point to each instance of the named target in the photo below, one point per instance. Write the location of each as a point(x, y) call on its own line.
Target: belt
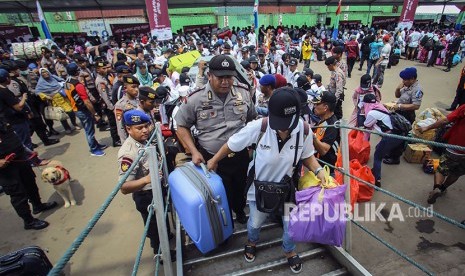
point(143, 192)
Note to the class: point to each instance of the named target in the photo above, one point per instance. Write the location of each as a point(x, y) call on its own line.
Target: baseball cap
point(268, 80)
point(146, 92)
point(317, 78)
point(162, 92)
point(284, 109)
point(61, 55)
point(245, 49)
point(260, 51)
point(184, 79)
point(4, 75)
point(280, 80)
point(365, 82)
point(32, 66)
point(130, 79)
point(369, 98)
point(156, 73)
point(325, 97)
point(245, 64)
point(222, 65)
point(72, 68)
point(408, 73)
point(308, 72)
point(293, 62)
point(135, 117)
point(227, 46)
point(253, 59)
point(303, 82)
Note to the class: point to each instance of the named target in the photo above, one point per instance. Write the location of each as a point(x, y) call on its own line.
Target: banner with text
point(408, 14)
point(157, 12)
point(129, 29)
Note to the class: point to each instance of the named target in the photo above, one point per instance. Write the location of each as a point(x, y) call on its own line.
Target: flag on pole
point(43, 23)
point(336, 22)
point(255, 21)
point(255, 14)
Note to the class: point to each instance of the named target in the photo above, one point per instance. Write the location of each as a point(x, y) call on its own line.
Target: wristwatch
point(318, 170)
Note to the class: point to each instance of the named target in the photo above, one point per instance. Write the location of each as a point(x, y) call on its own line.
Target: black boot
point(50, 142)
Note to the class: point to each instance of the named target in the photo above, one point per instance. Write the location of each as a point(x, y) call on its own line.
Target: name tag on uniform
point(238, 103)
point(207, 107)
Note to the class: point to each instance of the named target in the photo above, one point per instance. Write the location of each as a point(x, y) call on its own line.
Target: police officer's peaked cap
point(130, 79)
point(146, 92)
point(222, 65)
point(135, 117)
point(123, 69)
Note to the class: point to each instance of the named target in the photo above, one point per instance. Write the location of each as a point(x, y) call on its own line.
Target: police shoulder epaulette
point(196, 90)
point(241, 85)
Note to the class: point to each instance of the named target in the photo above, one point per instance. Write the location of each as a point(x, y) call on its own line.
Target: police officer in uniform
point(409, 94)
point(147, 97)
point(336, 84)
point(104, 88)
point(127, 102)
point(18, 179)
point(138, 125)
point(217, 111)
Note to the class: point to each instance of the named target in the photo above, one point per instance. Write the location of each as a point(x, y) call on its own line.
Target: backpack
point(400, 125)
point(424, 40)
point(70, 89)
point(429, 45)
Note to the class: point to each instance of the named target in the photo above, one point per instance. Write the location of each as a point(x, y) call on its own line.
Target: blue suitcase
point(202, 206)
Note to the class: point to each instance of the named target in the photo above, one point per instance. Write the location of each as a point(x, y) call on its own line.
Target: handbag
point(271, 196)
point(55, 113)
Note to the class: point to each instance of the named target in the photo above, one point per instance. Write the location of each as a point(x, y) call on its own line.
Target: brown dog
point(59, 177)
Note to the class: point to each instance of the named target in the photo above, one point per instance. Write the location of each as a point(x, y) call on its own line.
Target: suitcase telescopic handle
point(205, 170)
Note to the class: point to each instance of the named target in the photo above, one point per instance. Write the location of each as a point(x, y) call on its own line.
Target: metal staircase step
point(231, 252)
point(276, 263)
point(337, 272)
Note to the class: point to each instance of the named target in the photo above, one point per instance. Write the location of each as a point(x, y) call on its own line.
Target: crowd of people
point(249, 92)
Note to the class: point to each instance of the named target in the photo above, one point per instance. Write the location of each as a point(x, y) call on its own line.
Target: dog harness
point(65, 177)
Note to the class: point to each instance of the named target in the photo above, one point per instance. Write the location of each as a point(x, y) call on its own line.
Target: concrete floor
point(111, 246)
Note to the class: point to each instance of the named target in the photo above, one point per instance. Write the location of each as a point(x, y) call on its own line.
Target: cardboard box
point(417, 153)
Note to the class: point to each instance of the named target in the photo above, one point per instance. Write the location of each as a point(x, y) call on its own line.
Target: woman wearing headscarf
point(377, 118)
point(143, 75)
point(366, 87)
point(274, 162)
point(50, 88)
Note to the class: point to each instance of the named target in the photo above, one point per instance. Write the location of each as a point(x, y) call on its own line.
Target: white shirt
point(374, 116)
point(414, 39)
point(271, 164)
point(385, 53)
point(252, 38)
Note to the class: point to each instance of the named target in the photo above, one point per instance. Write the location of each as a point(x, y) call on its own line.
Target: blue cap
point(268, 80)
point(72, 69)
point(32, 66)
point(135, 117)
point(4, 75)
point(408, 73)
